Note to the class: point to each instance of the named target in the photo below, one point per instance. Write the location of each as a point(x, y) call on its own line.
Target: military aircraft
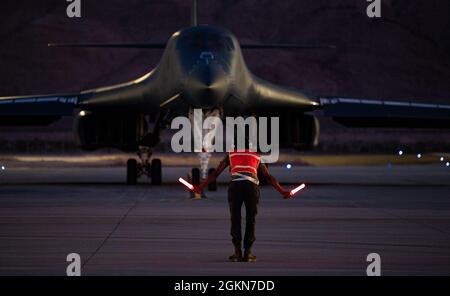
point(202, 66)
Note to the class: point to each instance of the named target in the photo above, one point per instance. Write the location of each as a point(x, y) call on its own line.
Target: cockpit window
point(193, 40)
point(201, 41)
point(219, 43)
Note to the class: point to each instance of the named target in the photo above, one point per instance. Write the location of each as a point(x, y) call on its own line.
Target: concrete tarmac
point(402, 213)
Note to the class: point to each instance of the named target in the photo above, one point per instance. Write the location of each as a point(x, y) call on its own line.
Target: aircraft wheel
point(156, 171)
point(196, 176)
point(261, 178)
point(132, 170)
point(213, 185)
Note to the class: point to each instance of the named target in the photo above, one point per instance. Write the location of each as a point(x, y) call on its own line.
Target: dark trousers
point(243, 192)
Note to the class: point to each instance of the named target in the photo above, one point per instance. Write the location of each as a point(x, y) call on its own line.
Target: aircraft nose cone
point(206, 86)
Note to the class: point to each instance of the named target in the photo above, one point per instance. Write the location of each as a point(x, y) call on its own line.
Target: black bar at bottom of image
point(201, 285)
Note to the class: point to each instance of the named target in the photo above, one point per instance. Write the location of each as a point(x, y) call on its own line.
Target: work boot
point(237, 256)
point(248, 256)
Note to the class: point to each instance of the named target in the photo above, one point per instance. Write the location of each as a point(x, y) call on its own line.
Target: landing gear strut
point(152, 169)
point(202, 173)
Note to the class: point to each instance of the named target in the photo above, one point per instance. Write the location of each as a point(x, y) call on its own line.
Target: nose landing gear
point(152, 169)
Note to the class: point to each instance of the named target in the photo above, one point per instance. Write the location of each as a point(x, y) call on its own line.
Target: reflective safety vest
point(244, 162)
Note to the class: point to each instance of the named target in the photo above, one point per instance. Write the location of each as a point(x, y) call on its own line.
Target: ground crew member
point(243, 189)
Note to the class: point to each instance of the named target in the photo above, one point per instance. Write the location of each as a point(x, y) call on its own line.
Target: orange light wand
point(186, 183)
point(297, 189)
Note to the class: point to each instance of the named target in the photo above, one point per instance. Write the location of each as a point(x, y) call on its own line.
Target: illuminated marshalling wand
point(186, 183)
point(297, 189)
point(191, 187)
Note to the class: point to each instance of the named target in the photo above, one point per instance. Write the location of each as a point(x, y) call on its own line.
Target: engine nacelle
point(299, 131)
point(109, 130)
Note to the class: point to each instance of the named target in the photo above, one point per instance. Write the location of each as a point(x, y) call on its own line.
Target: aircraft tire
point(156, 171)
point(261, 178)
point(213, 185)
point(196, 176)
point(132, 168)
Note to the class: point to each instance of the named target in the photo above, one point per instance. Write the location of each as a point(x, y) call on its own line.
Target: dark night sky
point(404, 55)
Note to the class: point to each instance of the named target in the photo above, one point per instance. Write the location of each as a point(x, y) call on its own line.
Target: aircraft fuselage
point(204, 65)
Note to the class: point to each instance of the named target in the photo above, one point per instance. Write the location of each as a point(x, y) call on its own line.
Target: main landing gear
point(152, 169)
point(202, 173)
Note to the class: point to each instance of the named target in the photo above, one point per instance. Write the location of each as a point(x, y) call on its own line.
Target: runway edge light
point(186, 183)
point(297, 189)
